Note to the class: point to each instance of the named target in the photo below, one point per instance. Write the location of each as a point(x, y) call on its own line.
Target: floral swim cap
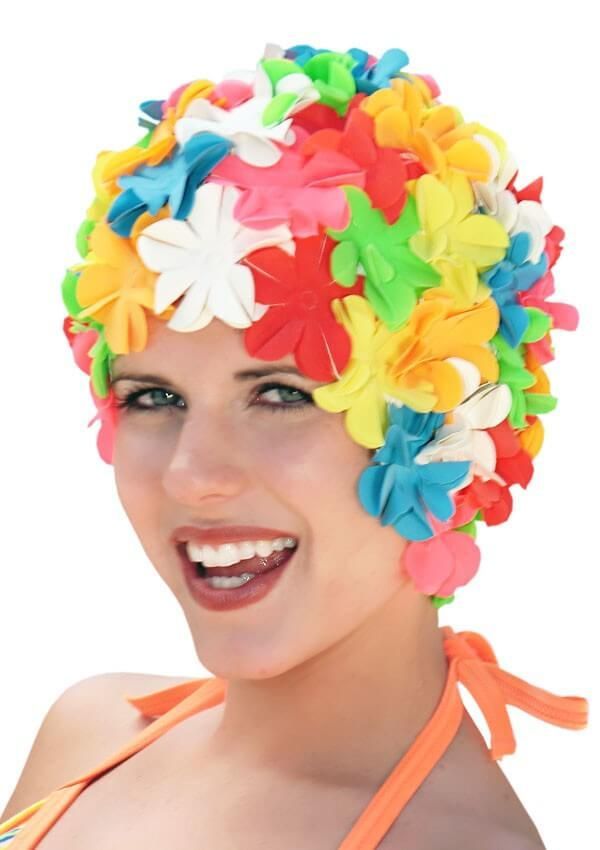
point(330, 206)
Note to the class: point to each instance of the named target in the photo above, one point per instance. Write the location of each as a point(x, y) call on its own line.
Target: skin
point(344, 626)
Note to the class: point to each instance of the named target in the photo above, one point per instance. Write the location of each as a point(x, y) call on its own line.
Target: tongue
point(252, 565)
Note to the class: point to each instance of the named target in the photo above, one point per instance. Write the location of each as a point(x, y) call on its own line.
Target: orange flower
point(113, 288)
point(436, 134)
point(418, 370)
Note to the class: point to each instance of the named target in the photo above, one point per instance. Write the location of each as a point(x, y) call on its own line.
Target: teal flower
point(174, 181)
point(400, 491)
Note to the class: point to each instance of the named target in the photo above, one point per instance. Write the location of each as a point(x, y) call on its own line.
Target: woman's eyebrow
point(243, 375)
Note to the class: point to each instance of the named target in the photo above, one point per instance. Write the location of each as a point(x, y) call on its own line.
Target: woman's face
point(226, 449)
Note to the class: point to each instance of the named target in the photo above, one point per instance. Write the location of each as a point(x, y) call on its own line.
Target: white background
point(77, 595)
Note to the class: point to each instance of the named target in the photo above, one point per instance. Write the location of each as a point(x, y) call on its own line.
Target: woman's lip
point(220, 599)
point(226, 534)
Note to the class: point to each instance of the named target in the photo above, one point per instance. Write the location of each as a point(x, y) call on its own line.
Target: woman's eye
point(276, 397)
point(132, 400)
point(284, 397)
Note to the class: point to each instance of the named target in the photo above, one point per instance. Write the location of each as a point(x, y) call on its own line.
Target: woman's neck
point(347, 715)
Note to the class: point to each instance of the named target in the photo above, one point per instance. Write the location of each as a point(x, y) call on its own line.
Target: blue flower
point(301, 53)
point(175, 181)
point(379, 75)
point(511, 275)
point(400, 491)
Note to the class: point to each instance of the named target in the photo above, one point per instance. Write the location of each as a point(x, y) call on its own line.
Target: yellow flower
point(459, 281)
point(359, 390)
point(113, 288)
point(449, 225)
point(417, 368)
point(436, 133)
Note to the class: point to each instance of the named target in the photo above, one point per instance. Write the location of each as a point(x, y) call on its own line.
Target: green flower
point(394, 276)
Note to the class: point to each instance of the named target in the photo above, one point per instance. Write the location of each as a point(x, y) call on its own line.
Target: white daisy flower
point(199, 256)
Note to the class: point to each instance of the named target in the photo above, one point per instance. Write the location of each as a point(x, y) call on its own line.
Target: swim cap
point(330, 206)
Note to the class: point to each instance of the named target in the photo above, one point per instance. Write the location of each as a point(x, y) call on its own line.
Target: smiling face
point(218, 445)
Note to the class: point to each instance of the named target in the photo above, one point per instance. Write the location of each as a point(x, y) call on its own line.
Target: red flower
point(299, 290)
point(387, 169)
point(513, 465)
point(492, 499)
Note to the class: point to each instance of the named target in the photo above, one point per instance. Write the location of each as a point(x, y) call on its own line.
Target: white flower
point(466, 438)
point(500, 203)
point(253, 142)
point(199, 257)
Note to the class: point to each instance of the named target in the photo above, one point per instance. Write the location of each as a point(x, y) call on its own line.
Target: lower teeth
point(229, 581)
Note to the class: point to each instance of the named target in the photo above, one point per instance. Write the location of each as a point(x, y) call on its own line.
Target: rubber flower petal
point(299, 191)
point(199, 259)
point(156, 144)
point(255, 125)
point(371, 73)
point(107, 415)
point(401, 492)
point(331, 75)
point(358, 391)
point(467, 438)
point(394, 275)
point(562, 316)
point(175, 181)
point(439, 565)
point(492, 497)
point(425, 360)
point(299, 290)
point(459, 281)
point(527, 381)
point(449, 225)
point(518, 211)
point(115, 288)
point(513, 275)
point(436, 133)
point(386, 170)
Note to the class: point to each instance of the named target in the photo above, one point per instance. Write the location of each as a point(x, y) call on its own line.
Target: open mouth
point(249, 560)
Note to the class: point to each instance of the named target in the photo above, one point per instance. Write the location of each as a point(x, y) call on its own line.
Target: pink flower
point(442, 563)
point(299, 191)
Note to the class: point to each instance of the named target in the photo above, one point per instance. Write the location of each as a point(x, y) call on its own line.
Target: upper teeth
point(231, 553)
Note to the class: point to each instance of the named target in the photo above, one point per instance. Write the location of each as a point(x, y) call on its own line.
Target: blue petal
point(514, 321)
point(370, 488)
point(414, 526)
point(403, 498)
point(527, 274)
point(153, 108)
point(448, 473)
point(520, 246)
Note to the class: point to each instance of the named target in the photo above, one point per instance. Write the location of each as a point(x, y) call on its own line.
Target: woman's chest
point(214, 808)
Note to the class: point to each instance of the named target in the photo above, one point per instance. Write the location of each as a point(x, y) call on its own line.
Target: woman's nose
point(205, 465)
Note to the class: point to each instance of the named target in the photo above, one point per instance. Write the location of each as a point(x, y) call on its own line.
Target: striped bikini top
point(471, 661)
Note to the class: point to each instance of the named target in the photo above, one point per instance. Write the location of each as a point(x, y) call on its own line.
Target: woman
point(306, 473)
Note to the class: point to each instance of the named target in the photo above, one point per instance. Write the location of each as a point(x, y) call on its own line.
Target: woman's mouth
point(234, 574)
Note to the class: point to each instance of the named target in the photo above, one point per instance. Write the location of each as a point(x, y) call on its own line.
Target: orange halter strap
point(471, 662)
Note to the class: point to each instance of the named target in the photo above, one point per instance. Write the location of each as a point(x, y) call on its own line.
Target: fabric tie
point(476, 667)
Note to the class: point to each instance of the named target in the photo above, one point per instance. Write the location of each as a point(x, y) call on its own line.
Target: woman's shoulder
point(83, 726)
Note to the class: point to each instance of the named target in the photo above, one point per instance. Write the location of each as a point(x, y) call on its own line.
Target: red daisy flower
point(299, 290)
